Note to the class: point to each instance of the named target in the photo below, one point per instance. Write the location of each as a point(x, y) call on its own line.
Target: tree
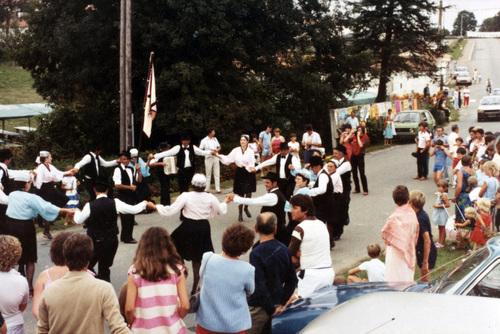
point(465, 21)
point(399, 35)
point(8, 10)
point(491, 23)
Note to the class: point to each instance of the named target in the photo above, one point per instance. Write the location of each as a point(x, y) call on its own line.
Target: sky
point(482, 9)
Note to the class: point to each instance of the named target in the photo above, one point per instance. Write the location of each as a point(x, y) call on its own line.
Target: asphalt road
point(385, 169)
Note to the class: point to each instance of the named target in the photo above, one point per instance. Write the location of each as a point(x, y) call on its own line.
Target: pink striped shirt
point(156, 306)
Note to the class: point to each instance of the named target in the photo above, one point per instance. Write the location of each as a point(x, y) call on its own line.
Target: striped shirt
point(156, 306)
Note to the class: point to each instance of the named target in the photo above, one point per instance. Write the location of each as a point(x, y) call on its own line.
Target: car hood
point(489, 107)
point(303, 311)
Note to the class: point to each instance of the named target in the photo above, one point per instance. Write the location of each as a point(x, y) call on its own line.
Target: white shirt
point(121, 207)
point(268, 199)
point(294, 148)
point(311, 141)
point(322, 185)
point(353, 122)
point(87, 159)
point(194, 205)
point(44, 175)
point(343, 166)
point(423, 138)
point(70, 184)
point(209, 144)
point(117, 174)
point(375, 270)
point(14, 291)
point(271, 162)
point(496, 159)
point(452, 141)
point(314, 245)
point(338, 187)
point(174, 150)
point(239, 158)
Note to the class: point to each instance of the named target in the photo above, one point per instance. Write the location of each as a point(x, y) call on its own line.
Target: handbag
point(194, 300)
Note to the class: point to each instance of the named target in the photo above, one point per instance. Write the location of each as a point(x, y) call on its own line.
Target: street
point(385, 169)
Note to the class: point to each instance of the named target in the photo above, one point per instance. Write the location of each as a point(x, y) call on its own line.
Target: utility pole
point(125, 74)
point(440, 15)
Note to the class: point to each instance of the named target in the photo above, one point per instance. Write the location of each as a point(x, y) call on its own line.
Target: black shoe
point(47, 235)
point(131, 241)
point(336, 238)
point(240, 218)
point(247, 212)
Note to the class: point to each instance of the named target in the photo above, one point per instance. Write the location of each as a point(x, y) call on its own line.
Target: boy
point(374, 268)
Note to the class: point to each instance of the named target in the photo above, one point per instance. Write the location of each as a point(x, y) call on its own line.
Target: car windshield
point(463, 74)
point(463, 269)
point(490, 100)
point(460, 68)
point(407, 117)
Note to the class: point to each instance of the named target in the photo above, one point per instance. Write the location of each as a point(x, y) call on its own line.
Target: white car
point(463, 79)
point(410, 313)
point(460, 69)
point(495, 91)
point(489, 108)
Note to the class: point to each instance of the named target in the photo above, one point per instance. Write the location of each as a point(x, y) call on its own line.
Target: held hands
point(132, 187)
point(229, 198)
point(151, 206)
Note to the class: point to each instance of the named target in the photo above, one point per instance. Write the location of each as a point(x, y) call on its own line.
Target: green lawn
point(16, 85)
point(457, 48)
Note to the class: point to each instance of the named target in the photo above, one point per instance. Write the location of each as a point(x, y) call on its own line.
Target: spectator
point(52, 274)
point(496, 156)
point(462, 199)
point(389, 129)
point(157, 298)
point(294, 146)
point(353, 120)
point(212, 164)
point(490, 184)
point(439, 212)
point(14, 289)
point(480, 232)
point(311, 141)
point(374, 268)
point(96, 298)
point(452, 139)
point(275, 278)
point(310, 248)
point(426, 250)
point(440, 165)
point(265, 143)
point(400, 234)
point(225, 284)
point(276, 141)
point(358, 144)
point(423, 141)
point(3, 327)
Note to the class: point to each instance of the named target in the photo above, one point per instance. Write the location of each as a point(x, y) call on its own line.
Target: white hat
point(134, 153)
point(44, 154)
point(199, 180)
point(23, 176)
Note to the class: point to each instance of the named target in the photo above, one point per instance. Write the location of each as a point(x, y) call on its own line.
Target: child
point(473, 189)
point(294, 146)
point(374, 268)
point(440, 153)
point(157, 298)
point(465, 228)
point(70, 185)
point(482, 228)
point(457, 163)
point(439, 214)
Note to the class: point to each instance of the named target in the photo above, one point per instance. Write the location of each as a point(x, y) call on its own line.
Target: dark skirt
point(244, 182)
point(193, 238)
point(24, 230)
point(53, 194)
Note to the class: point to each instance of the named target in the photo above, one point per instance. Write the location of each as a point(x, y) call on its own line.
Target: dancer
point(244, 180)
point(210, 143)
point(343, 167)
point(193, 238)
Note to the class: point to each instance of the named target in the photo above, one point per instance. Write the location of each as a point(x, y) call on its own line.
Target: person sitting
point(374, 268)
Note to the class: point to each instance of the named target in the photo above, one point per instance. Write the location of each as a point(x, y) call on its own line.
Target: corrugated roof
point(11, 111)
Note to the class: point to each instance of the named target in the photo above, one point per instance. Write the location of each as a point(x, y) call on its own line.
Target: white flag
point(150, 101)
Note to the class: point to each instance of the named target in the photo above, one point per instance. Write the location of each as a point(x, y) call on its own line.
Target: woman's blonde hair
point(10, 250)
point(417, 199)
point(483, 204)
point(492, 167)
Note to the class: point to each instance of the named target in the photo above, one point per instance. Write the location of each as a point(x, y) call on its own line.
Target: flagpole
point(148, 88)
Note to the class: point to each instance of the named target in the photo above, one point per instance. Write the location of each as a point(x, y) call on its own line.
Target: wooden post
point(128, 73)
point(122, 75)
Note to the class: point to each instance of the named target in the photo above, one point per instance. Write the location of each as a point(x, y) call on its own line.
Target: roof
point(11, 111)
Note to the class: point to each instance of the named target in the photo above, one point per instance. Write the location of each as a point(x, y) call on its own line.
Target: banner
point(150, 99)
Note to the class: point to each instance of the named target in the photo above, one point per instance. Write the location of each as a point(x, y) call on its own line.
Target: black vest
point(288, 161)
point(90, 169)
point(324, 203)
point(278, 209)
point(102, 222)
point(181, 156)
point(128, 196)
point(6, 182)
point(346, 180)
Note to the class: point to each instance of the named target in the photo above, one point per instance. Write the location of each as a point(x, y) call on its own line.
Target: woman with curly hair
point(14, 289)
point(156, 281)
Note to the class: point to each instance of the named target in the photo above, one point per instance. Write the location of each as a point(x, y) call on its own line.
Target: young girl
point(388, 128)
point(157, 298)
point(440, 154)
point(70, 185)
point(465, 228)
point(294, 145)
point(439, 214)
point(482, 228)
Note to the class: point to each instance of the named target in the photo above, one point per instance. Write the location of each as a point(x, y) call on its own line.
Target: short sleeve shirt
point(423, 137)
point(266, 142)
point(375, 270)
point(424, 226)
point(14, 291)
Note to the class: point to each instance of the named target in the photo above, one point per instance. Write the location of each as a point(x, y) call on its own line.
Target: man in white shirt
point(352, 120)
point(210, 143)
point(423, 141)
point(311, 141)
point(452, 139)
point(310, 248)
point(285, 163)
point(344, 170)
point(92, 164)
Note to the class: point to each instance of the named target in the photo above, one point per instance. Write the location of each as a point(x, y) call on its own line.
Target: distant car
point(477, 275)
point(460, 69)
point(463, 79)
point(495, 91)
point(489, 108)
point(405, 313)
point(406, 123)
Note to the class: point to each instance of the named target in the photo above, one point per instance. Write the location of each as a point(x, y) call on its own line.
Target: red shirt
point(356, 149)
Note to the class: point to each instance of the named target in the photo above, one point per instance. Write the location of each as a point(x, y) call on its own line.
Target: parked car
point(405, 313)
point(495, 91)
point(406, 123)
point(489, 108)
point(477, 275)
point(463, 79)
point(459, 69)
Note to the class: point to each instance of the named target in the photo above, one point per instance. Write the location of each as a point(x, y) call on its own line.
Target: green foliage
point(465, 21)
point(232, 65)
point(399, 37)
point(491, 23)
point(16, 85)
point(456, 49)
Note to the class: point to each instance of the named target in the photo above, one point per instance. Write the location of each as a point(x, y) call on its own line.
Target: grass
point(457, 48)
point(16, 85)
